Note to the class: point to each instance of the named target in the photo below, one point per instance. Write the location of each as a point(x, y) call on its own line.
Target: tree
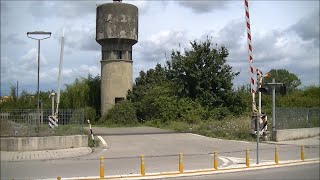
point(76, 95)
point(203, 74)
point(94, 92)
point(283, 76)
point(13, 93)
point(147, 88)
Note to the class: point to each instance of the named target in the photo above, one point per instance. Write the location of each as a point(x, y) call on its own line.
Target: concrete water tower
point(116, 32)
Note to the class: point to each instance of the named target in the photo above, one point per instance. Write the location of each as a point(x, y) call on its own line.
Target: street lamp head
point(39, 33)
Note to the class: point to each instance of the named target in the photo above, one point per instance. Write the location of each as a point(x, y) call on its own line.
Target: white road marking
point(196, 135)
point(240, 141)
point(225, 161)
point(103, 141)
point(218, 138)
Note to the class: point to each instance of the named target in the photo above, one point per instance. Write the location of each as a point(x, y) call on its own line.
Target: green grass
point(235, 128)
point(230, 128)
point(11, 128)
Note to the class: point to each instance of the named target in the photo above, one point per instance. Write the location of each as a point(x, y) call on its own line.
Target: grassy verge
point(236, 128)
point(230, 128)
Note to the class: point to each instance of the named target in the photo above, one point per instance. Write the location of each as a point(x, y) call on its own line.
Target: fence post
point(101, 167)
point(180, 163)
point(142, 166)
point(247, 158)
point(215, 161)
point(276, 156)
point(302, 152)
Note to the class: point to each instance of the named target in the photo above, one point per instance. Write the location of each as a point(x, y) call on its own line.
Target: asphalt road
point(161, 151)
point(309, 171)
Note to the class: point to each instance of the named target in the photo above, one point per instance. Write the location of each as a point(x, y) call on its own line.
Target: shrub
point(191, 111)
point(121, 114)
point(90, 113)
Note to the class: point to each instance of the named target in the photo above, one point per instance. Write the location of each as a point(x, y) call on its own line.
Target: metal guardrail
point(26, 122)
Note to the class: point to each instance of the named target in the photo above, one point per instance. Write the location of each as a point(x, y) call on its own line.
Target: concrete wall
point(43, 143)
point(291, 134)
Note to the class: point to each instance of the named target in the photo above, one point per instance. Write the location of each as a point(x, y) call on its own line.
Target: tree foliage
point(192, 87)
point(203, 74)
point(284, 76)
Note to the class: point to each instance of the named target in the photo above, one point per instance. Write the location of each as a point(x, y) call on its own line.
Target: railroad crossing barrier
point(215, 164)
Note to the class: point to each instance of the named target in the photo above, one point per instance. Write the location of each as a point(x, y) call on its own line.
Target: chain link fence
point(27, 122)
point(295, 118)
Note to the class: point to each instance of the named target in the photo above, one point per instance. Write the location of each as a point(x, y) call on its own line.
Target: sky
point(285, 35)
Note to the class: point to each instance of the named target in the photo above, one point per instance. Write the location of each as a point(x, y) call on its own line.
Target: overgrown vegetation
point(193, 92)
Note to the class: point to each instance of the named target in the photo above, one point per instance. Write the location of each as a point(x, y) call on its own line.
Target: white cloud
point(163, 26)
point(204, 6)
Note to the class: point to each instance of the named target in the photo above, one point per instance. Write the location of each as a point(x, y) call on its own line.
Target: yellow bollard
point(58, 178)
point(142, 166)
point(180, 163)
point(276, 155)
point(247, 158)
point(102, 167)
point(215, 161)
point(302, 152)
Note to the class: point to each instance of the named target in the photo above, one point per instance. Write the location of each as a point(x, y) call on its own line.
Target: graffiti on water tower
point(116, 26)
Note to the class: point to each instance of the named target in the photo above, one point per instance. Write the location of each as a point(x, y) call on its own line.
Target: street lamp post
point(47, 35)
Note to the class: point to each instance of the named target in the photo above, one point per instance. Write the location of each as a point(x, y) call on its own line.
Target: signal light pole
point(38, 39)
point(273, 85)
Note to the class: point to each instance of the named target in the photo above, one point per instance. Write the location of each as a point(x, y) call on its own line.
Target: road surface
point(309, 171)
point(161, 150)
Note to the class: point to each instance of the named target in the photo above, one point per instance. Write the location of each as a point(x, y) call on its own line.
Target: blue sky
point(285, 34)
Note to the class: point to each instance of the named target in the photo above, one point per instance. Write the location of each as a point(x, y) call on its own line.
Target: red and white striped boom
point(250, 52)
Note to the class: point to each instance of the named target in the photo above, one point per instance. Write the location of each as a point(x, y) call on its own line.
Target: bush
point(179, 126)
point(191, 111)
point(122, 114)
point(90, 113)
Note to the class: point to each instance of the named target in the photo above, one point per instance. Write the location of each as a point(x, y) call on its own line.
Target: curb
point(14, 156)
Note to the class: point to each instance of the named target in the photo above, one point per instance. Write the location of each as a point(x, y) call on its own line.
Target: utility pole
point(17, 89)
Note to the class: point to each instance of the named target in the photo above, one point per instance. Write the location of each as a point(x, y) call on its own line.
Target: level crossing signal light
point(266, 90)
